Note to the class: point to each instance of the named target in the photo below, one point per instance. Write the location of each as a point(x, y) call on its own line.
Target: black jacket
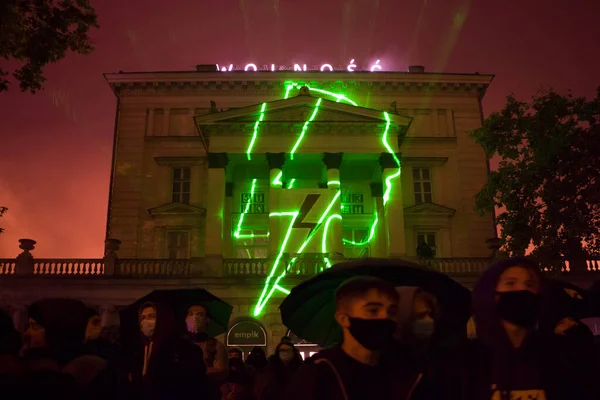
point(333, 375)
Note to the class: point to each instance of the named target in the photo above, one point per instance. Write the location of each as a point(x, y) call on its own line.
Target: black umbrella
point(179, 300)
point(309, 309)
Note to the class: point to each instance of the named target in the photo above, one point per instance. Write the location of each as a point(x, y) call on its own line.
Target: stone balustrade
point(306, 265)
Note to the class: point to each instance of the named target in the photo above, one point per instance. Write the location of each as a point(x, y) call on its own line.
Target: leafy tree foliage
point(2, 211)
point(35, 33)
point(548, 180)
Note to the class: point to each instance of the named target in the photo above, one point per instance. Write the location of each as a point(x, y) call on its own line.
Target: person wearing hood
point(272, 381)
point(366, 310)
point(56, 363)
point(417, 312)
point(162, 365)
point(215, 352)
point(510, 358)
point(93, 342)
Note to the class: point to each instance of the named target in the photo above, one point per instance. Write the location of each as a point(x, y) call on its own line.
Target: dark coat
point(559, 365)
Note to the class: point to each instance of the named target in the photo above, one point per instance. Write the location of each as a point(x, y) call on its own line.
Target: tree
point(2, 211)
point(36, 33)
point(548, 180)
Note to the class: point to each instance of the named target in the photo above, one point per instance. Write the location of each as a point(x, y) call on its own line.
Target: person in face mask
point(94, 343)
point(215, 352)
point(366, 308)
point(147, 319)
point(510, 358)
point(416, 315)
point(272, 382)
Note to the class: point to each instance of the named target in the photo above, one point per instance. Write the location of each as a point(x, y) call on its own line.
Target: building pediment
point(300, 109)
point(430, 210)
point(176, 209)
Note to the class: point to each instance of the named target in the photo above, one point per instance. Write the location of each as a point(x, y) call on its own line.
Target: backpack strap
point(336, 373)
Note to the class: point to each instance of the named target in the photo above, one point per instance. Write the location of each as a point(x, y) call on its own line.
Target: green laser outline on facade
point(266, 293)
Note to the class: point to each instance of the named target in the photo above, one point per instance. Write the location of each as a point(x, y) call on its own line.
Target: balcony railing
point(262, 266)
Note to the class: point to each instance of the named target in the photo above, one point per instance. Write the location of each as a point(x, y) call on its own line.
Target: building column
point(215, 205)
point(276, 162)
point(150, 123)
point(379, 246)
point(227, 227)
point(166, 121)
point(335, 245)
point(393, 208)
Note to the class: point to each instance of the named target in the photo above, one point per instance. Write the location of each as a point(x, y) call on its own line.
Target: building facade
point(247, 183)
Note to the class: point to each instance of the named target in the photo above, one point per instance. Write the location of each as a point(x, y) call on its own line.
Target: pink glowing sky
point(56, 146)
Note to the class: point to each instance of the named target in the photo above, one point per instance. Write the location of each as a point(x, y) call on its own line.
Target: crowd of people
point(392, 347)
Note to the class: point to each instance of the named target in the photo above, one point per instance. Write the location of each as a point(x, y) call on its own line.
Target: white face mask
point(423, 329)
point(195, 324)
point(147, 326)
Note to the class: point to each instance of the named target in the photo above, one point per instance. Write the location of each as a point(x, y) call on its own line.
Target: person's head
point(147, 319)
point(94, 327)
point(424, 314)
point(286, 352)
point(416, 314)
point(257, 357)
point(234, 353)
point(35, 334)
point(365, 310)
point(197, 319)
point(517, 300)
point(507, 296)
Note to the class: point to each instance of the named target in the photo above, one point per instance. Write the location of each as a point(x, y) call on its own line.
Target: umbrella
point(309, 309)
point(179, 300)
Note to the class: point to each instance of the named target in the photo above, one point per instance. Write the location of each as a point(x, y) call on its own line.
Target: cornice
point(194, 84)
point(317, 129)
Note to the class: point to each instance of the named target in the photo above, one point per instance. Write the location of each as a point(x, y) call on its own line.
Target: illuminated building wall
point(268, 177)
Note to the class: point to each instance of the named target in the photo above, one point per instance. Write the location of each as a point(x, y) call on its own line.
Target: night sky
point(55, 148)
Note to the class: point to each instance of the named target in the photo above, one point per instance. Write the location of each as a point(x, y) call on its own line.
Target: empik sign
point(253, 67)
point(246, 333)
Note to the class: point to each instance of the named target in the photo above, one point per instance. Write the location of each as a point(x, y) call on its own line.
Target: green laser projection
point(272, 282)
point(305, 127)
point(255, 134)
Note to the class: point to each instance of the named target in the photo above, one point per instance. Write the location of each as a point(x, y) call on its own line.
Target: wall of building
point(438, 140)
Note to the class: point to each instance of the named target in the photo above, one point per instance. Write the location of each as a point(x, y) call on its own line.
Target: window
point(429, 238)
point(252, 243)
point(252, 204)
point(178, 245)
point(352, 203)
point(181, 185)
point(352, 239)
point(422, 185)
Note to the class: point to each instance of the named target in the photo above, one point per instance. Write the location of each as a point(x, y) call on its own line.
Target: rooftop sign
point(351, 67)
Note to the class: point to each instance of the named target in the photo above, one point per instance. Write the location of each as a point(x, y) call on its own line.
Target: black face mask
point(372, 334)
point(522, 307)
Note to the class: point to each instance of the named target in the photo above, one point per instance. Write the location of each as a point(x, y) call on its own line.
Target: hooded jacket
point(174, 367)
point(546, 366)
